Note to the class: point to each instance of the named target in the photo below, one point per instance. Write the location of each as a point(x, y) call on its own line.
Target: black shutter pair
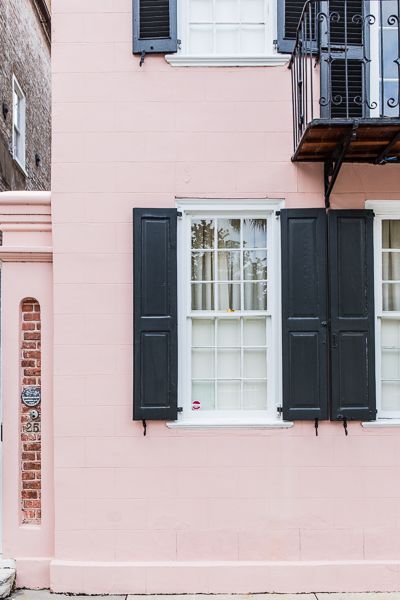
point(154, 26)
point(328, 314)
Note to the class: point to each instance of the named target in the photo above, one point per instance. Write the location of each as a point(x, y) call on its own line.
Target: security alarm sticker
point(196, 405)
point(31, 396)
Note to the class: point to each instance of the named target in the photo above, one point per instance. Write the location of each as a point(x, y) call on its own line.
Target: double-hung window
point(229, 294)
point(387, 298)
point(18, 133)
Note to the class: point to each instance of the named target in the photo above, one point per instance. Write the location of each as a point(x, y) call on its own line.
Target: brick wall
point(30, 361)
point(25, 52)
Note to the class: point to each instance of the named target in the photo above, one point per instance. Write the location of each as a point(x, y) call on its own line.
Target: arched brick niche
point(30, 413)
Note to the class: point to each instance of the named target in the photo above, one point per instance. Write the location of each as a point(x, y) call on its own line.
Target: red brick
point(33, 335)
point(28, 456)
point(27, 476)
point(31, 372)
point(31, 485)
point(35, 447)
point(31, 317)
point(31, 466)
point(32, 354)
point(29, 381)
point(38, 326)
point(29, 494)
point(28, 327)
point(27, 307)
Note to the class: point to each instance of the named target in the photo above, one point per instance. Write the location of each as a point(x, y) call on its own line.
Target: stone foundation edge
point(80, 577)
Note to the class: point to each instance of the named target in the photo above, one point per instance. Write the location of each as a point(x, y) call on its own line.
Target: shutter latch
point(142, 57)
point(279, 410)
point(316, 423)
point(345, 426)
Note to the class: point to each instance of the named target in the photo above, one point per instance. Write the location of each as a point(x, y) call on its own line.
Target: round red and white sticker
point(196, 405)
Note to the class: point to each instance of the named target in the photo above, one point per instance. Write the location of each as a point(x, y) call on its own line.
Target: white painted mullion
point(216, 363)
point(241, 362)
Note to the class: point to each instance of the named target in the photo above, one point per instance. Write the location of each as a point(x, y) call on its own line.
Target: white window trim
point(382, 209)
point(189, 207)
point(270, 59)
point(22, 130)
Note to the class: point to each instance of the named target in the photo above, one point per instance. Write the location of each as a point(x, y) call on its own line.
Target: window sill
point(20, 166)
point(273, 60)
point(381, 423)
point(228, 425)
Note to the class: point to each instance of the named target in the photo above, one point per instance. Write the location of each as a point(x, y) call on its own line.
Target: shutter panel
point(154, 26)
point(155, 314)
point(342, 73)
point(304, 314)
point(289, 13)
point(352, 314)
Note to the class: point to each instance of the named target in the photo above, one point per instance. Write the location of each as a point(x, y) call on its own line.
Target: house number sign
point(31, 396)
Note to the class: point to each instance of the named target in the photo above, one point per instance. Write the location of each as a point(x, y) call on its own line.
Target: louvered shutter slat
point(154, 26)
point(289, 13)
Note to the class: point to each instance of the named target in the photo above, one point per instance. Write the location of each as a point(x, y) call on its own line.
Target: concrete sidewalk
point(46, 595)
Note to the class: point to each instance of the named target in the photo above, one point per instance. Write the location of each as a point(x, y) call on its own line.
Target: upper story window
point(18, 134)
point(227, 27)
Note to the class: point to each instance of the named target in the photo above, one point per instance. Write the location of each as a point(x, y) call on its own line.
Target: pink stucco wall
point(185, 511)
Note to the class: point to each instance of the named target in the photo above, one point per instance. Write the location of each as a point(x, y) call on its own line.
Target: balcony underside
point(375, 141)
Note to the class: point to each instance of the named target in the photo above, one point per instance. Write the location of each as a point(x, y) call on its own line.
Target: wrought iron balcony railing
point(345, 71)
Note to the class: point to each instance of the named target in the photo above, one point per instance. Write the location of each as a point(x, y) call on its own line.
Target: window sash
point(267, 25)
point(383, 316)
point(19, 109)
point(271, 317)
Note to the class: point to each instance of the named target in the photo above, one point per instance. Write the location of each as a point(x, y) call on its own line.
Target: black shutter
point(342, 59)
point(352, 314)
point(304, 312)
point(155, 314)
point(154, 26)
point(289, 13)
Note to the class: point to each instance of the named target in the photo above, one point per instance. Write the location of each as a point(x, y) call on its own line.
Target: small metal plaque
point(31, 396)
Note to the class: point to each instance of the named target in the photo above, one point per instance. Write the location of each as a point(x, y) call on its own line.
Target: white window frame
point(383, 210)
point(21, 128)
point(270, 58)
point(213, 208)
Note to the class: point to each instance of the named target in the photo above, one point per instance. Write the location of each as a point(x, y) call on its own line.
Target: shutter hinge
point(279, 410)
point(278, 214)
point(179, 409)
point(179, 214)
point(1, 432)
point(142, 57)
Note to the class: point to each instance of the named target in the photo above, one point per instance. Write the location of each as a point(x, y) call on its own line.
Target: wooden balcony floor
point(371, 141)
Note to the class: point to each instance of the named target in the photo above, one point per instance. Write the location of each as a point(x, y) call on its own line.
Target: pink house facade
point(200, 347)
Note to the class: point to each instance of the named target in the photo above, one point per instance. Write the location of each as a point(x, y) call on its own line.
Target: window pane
point(255, 265)
point(255, 395)
point(229, 296)
point(203, 395)
point(391, 234)
point(226, 11)
point(228, 332)
point(201, 11)
point(391, 364)
point(202, 233)
point(201, 40)
point(253, 39)
point(255, 364)
point(228, 266)
point(254, 332)
point(228, 395)
point(202, 332)
point(255, 233)
point(202, 266)
point(203, 296)
point(203, 364)
point(228, 364)
point(255, 296)
point(391, 266)
point(391, 296)
point(252, 11)
point(228, 233)
point(390, 333)
point(391, 395)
